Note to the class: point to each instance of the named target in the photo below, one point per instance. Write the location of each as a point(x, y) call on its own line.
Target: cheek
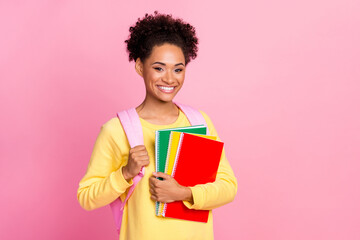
point(151, 77)
point(154, 76)
point(180, 77)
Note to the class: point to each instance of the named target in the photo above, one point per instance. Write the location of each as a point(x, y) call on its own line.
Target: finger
point(141, 163)
point(145, 163)
point(162, 175)
point(155, 174)
point(141, 158)
point(140, 153)
point(153, 197)
point(140, 148)
point(152, 182)
point(137, 148)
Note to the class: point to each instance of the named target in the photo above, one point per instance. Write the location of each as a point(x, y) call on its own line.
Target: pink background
point(279, 79)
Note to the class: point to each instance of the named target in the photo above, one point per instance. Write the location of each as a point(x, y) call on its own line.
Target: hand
point(168, 190)
point(138, 157)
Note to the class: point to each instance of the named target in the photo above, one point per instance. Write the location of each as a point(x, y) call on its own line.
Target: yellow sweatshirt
point(104, 182)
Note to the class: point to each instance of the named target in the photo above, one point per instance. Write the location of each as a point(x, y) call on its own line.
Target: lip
point(165, 91)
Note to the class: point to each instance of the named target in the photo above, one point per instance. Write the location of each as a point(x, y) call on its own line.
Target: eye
point(176, 70)
point(158, 68)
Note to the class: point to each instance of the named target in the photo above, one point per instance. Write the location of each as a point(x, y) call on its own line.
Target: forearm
point(212, 195)
point(98, 192)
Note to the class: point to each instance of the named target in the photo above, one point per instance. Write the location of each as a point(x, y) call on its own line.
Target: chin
point(166, 100)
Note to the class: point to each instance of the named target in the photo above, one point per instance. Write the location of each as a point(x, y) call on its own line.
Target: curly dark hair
point(157, 29)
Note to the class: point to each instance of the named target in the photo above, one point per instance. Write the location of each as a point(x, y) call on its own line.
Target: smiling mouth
point(166, 89)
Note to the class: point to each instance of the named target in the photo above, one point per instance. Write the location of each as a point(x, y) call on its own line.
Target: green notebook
point(162, 145)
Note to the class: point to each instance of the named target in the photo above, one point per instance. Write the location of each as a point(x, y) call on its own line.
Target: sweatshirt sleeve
point(220, 192)
point(103, 181)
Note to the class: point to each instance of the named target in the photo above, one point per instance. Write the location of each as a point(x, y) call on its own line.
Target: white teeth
point(166, 88)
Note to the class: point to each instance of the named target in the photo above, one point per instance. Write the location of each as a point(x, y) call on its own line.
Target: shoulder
point(205, 115)
point(112, 124)
point(113, 128)
point(209, 123)
point(112, 136)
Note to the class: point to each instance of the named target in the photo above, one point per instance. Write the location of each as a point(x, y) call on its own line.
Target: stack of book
point(191, 157)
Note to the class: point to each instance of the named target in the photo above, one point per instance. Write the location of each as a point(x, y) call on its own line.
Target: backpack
point(130, 121)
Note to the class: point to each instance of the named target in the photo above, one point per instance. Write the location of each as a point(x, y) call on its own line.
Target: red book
point(197, 163)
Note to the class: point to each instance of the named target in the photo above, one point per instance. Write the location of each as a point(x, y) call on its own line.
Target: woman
point(161, 47)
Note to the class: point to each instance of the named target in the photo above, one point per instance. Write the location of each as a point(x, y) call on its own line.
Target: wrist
point(187, 194)
point(125, 174)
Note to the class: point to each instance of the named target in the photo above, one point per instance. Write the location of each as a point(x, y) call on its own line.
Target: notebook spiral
point(175, 165)
point(157, 140)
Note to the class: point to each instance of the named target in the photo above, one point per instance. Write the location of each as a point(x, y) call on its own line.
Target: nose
point(168, 78)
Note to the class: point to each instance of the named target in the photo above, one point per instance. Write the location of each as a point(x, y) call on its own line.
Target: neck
point(153, 108)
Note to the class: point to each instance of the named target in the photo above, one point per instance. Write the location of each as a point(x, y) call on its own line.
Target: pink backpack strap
point(132, 126)
point(194, 116)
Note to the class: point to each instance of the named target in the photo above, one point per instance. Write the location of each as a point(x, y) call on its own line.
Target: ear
point(139, 67)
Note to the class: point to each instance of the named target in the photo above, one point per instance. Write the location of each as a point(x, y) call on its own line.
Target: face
point(163, 72)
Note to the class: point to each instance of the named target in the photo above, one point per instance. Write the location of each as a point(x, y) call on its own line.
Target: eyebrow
point(165, 64)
